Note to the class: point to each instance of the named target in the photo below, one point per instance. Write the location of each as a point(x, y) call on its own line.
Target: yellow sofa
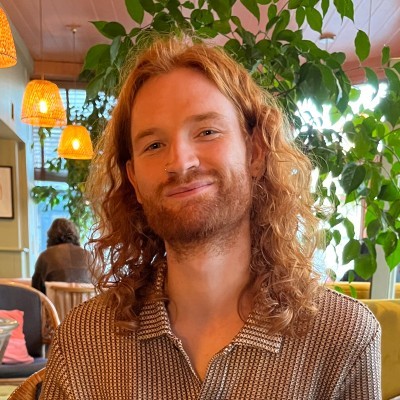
point(388, 314)
point(362, 289)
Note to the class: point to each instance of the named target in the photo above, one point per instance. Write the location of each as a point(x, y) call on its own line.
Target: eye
point(153, 146)
point(207, 132)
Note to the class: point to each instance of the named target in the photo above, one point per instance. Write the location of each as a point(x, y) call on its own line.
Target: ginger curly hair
point(283, 225)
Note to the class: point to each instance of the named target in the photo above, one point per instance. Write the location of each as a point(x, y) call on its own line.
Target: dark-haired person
point(206, 234)
point(64, 259)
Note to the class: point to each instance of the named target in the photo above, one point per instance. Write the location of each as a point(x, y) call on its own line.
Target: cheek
point(147, 181)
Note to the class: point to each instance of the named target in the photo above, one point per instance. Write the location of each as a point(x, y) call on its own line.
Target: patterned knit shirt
point(339, 358)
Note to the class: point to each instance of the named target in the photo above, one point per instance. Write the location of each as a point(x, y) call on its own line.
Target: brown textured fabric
point(64, 262)
point(338, 359)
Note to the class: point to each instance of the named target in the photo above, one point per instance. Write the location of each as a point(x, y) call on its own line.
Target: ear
point(257, 155)
point(132, 179)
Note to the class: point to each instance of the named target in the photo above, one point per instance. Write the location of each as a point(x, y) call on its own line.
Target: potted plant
point(293, 69)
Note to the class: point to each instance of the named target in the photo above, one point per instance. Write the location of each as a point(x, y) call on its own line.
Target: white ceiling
point(378, 18)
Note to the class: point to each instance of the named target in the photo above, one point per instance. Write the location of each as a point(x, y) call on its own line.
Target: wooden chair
point(67, 295)
point(40, 321)
point(29, 389)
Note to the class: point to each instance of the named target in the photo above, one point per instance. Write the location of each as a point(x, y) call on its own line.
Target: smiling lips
point(189, 189)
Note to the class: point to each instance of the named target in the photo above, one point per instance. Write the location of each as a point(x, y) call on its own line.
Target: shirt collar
point(154, 322)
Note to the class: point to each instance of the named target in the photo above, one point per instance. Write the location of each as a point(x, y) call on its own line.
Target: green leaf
point(252, 6)
point(373, 228)
point(352, 177)
point(162, 22)
point(351, 251)
point(281, 24)
point(389, 192)
point(188, 4)
point(292, 4)
point(115, 48)
point(365, 265)
point(390, 109)
point(362, 143)
point(362, 44)
point(272, 11)
point(388, 240)
point(349, 228)
point(135, 10)
point(395, 171)
point(134, 32)
point(94, 54)
point(232, 46)
point(95, 86)
point(396, 67)
point(314, 18)
point(393, 258)
point(337, 236)
point(324, 7)
point(375, 183)
point(393, 79)
point(385, 54)
point(148, 6)
point(345, 8)
point(110, 29)
point(222, 7)
point(372, 79)
point(300, 16)
point(353, 291)
point(222, 27)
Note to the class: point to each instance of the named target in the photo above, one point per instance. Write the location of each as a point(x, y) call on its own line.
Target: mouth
point(187, 190)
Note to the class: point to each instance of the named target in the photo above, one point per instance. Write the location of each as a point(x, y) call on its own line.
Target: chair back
point(30, 387)
point(36, 308)
point(67, 295)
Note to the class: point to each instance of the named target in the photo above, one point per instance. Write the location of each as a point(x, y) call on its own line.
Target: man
point(206, 235)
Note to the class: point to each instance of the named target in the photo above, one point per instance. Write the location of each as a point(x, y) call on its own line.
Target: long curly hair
point(283, 226)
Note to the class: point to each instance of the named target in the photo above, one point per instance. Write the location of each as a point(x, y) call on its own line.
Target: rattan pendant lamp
point(8, 55)
point(75, 142)
point(41, 104)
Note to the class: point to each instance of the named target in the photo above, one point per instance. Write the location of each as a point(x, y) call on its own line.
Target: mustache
point(190, 176)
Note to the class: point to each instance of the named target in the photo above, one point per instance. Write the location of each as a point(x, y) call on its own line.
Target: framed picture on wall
point(6, 192)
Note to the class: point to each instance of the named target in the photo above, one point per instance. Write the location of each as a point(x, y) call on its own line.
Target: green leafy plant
point(360, 158)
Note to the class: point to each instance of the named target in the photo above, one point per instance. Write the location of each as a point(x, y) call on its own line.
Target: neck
point(209, 280)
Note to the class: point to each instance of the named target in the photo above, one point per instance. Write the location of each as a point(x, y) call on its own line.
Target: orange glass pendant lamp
point(42, 105)
point(8, 55)
point(75, 143)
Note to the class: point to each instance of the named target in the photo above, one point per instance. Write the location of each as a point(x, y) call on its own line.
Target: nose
point(181, 157)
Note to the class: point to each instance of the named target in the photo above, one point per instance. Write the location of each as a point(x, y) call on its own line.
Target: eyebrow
point(192, 118)
point(205, 117)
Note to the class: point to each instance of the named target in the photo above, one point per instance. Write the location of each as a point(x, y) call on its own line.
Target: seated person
point(64, 259)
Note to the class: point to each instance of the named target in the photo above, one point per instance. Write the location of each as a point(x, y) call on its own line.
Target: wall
point(17, 235)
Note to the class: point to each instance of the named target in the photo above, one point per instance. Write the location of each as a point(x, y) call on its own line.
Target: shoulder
point(344, 317)
point(88, 318)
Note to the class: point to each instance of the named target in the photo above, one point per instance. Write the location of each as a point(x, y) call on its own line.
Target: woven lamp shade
point(42, 105)
point(75, 143)
point(8, 55)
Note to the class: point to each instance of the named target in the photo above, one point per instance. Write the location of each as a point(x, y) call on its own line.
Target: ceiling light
point(327, 38)
point(41, 103)
point(75, 143)
point(8, 55)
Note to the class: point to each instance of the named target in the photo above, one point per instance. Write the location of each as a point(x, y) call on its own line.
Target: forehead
point(176, 95)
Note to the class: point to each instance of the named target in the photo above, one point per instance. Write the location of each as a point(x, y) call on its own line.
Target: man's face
point(190, 168)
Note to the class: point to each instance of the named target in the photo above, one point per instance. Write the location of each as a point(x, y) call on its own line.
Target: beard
point(207, 218)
